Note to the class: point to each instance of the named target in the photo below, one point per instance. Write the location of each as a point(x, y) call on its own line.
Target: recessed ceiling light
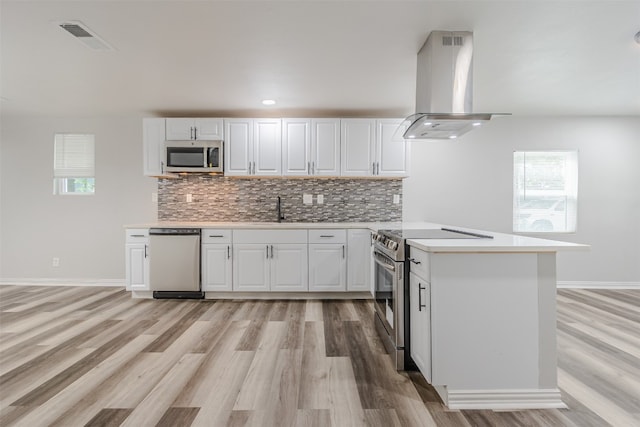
point(453, 137)
point(268, 102)
point(428, 123)
point(477, 123)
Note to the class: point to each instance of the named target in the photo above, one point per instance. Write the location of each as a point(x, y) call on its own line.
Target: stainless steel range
point(391, 277)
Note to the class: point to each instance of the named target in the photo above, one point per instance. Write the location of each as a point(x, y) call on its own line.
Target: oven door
point(389, 296)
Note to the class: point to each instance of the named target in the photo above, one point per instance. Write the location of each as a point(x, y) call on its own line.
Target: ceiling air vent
point(82, 33)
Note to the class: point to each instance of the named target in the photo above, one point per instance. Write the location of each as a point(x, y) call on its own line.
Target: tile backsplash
point(219, 198)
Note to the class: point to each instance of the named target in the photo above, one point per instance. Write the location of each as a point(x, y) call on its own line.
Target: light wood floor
point(93, 356)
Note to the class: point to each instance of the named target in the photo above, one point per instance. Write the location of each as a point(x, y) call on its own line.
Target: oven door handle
point(383, 262)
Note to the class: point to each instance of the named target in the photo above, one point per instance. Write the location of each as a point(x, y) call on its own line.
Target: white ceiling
point(316, 58)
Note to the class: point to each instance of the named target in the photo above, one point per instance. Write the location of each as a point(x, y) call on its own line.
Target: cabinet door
point(392, 154)
point(327, 267)
point(209, 129)
point(357, 147)
point(238, 146)
point(137, 267)
point(180, 129)
point(153, 137)
point(216, 267)
point(296, 146)
point(250, 267)
point(289, 270)
point(420, 324)
point(267, 146)
point(325, 147)
point(358, 260)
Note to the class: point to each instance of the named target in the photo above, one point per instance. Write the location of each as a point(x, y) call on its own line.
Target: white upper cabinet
point(253, 147)
point(311, 147)
point(358, 143)
point(185, 129)
point(296, 147)
point(392, 151)
point(153, 138)
point(325, 147)
point(267, 146)
point(373, 147)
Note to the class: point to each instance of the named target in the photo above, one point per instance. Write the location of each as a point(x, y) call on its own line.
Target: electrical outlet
point(307, 199)
point(396, 199)
point(189, 198)
point(154, 197)
point(320, 199)
point(55, 262)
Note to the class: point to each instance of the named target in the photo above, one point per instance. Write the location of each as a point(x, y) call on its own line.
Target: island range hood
point(444, 88)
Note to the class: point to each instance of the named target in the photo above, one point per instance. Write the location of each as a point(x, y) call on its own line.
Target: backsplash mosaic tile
point(219, 198)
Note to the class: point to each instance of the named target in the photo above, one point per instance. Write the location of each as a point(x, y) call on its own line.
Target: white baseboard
point(62, 282)
point(501, 399)
point(597, 285)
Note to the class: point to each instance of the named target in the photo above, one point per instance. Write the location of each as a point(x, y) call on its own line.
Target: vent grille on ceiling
point(82, 33)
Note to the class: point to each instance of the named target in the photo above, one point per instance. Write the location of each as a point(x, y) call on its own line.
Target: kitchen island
point(483, 319)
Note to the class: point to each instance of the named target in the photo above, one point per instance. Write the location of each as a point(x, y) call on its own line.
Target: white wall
point(466, 183)
point(469, 183)
point(85, 232)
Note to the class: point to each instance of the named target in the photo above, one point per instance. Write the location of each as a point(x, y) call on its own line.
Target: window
point(73, 164)
point(545, 191)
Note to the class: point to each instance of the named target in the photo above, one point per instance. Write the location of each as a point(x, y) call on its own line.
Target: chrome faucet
point(279, 208)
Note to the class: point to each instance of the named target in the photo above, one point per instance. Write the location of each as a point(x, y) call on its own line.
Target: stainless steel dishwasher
point(174, 263)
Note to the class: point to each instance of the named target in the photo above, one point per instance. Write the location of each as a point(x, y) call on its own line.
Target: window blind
point(74, 156)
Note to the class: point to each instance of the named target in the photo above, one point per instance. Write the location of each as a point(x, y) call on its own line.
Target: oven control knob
point(392, 245)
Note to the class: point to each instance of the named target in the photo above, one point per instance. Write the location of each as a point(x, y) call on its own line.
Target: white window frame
point(548, 204)
point(73, 158)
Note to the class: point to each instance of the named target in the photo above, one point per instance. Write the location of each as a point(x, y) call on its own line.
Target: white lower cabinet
point(137, 260)
point(358, 260)
point(216, 267)
point(420, 324)
point(328, 260)
point(270, 260)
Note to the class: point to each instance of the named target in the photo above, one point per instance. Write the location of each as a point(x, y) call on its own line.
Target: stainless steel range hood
point(444, 88)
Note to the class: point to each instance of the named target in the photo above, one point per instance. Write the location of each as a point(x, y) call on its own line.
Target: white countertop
point(501, 242)
point(374, 226)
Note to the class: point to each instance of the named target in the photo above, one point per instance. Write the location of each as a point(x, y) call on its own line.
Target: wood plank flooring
point(86, 356)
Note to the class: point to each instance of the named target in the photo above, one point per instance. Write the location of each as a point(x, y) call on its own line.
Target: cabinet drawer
point(215, 235)
point(137, 235)
point(419, 263)
point(328, 236)
point(272, 237)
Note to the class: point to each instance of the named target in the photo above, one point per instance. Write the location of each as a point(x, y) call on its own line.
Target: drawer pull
point(138, 235)
point(413, 260)
point(216, 235)
point(327, 235)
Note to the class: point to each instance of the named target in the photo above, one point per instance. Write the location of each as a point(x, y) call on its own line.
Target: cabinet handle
point(420, 305)
point(195, 133)
point(377, 168)
point(342, 251)
point(249, 171)
point(191, 132)
point(254, 168)
point(308, 168)
point(216, 235)
point(145, 251)
point(413, 260)
point(137, 235)
point(267, 251)
point(373, 168)
point(228, 252)
point(271, 251)
point(313, 168)
point(327, 235)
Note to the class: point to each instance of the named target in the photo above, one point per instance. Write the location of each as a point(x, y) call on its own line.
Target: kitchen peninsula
point(482, 311)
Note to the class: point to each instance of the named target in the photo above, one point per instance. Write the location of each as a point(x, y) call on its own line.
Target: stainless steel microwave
point(193, 156)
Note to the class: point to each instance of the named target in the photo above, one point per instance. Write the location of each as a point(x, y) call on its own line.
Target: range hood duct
point(444, 88)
